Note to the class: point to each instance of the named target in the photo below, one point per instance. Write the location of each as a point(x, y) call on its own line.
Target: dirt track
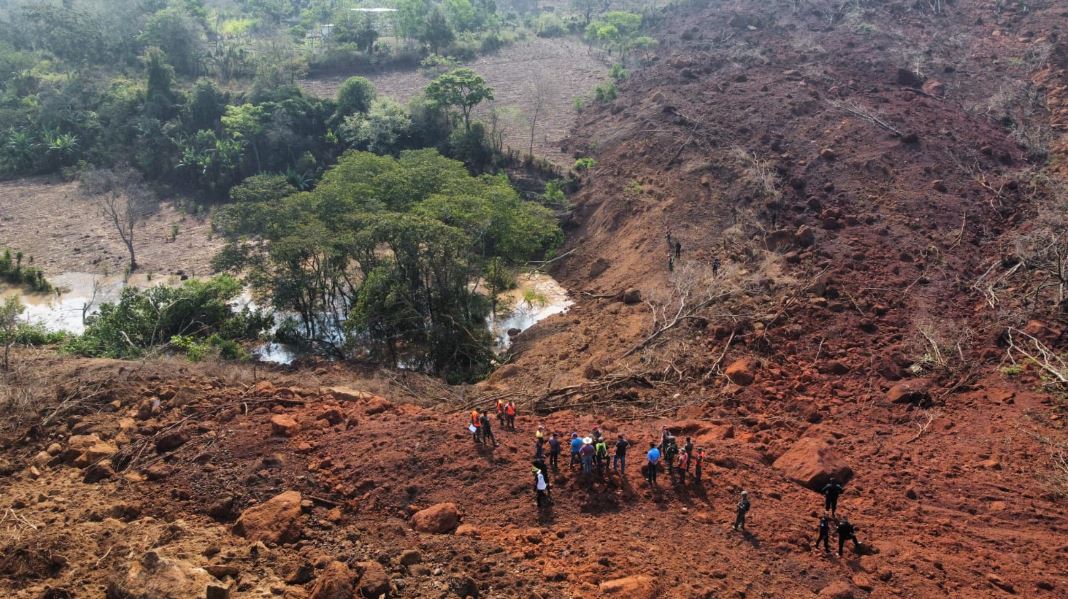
point(564, 68)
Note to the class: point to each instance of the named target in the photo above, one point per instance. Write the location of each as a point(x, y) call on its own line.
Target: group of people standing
point(595, 456)
point(481, 428)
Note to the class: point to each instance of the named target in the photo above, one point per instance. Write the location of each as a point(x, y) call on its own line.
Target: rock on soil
point(632, 296)
point(374, 581)
point(348, 394)
point(439, 519)
point(337, 581)
point(275, 521)
point(913, 392)
point(631, 587)
point(838, 589)
point(83, 450)
point(283, 425)
point(742, 371)
point(156, 577)
point(812, 463)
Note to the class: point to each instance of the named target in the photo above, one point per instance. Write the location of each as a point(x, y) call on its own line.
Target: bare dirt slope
point(867, 174)
point(64, 231)
point(563, 69)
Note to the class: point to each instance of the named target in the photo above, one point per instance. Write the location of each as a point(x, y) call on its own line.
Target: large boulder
point(813, 463)
point(742, 371)
point(631, 587)
point(374, 581)
point(156, 577)
point(276, 520)
point(438, 519)
point(337, 581)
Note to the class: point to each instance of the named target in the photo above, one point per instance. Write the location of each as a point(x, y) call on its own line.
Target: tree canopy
point(385, 257)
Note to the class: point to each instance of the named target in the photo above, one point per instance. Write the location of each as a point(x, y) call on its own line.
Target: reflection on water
point(77, 294)
point(536, 297)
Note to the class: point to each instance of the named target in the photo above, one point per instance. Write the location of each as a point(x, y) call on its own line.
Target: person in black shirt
point(487, 432)
point(824, 532)
point(619, 462)
point(688, 450)
point(554, 451)
point(847, 532)
point(831, 491)
point(742, 510)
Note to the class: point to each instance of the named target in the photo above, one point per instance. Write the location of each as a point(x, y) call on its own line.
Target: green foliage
point(554, 195)
point(149, 318)
point(585, 163)
point(461, 88)
point(381, 130)
point(355, 96)
point(605, 92)
point(384, 255)
point(196, 349)
point(30, 335)
point(13, 272)
point(618, 73)
point(618, 32)
point(549, 25)
point(179, 36)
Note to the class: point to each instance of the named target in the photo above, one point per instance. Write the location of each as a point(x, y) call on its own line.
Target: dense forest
point(378, 229)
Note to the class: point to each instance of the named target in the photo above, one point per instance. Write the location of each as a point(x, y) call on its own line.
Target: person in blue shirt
point(654, 461)
point(576, 445)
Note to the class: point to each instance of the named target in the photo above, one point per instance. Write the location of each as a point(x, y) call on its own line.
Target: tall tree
point(460, 88)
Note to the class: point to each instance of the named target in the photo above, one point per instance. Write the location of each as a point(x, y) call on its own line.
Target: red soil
point(955, 491)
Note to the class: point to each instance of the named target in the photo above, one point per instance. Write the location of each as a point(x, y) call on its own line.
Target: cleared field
point(64, 231)
point(561, 69)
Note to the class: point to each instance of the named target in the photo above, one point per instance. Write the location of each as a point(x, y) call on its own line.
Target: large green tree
point(385, 255)
point(462, 89)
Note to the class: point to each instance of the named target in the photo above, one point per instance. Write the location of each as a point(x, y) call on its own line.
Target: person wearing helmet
point(742, 510)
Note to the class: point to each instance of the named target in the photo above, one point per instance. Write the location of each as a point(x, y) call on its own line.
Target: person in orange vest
point(475, 426)
point(509, 415)
point(500, 411)
point(683, 466)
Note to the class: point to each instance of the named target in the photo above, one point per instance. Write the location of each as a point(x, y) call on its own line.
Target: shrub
point(549, 25)
point(14, 273)
point(605, 92)
point(618, 73)
point(585, 163)
point(144, 319)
